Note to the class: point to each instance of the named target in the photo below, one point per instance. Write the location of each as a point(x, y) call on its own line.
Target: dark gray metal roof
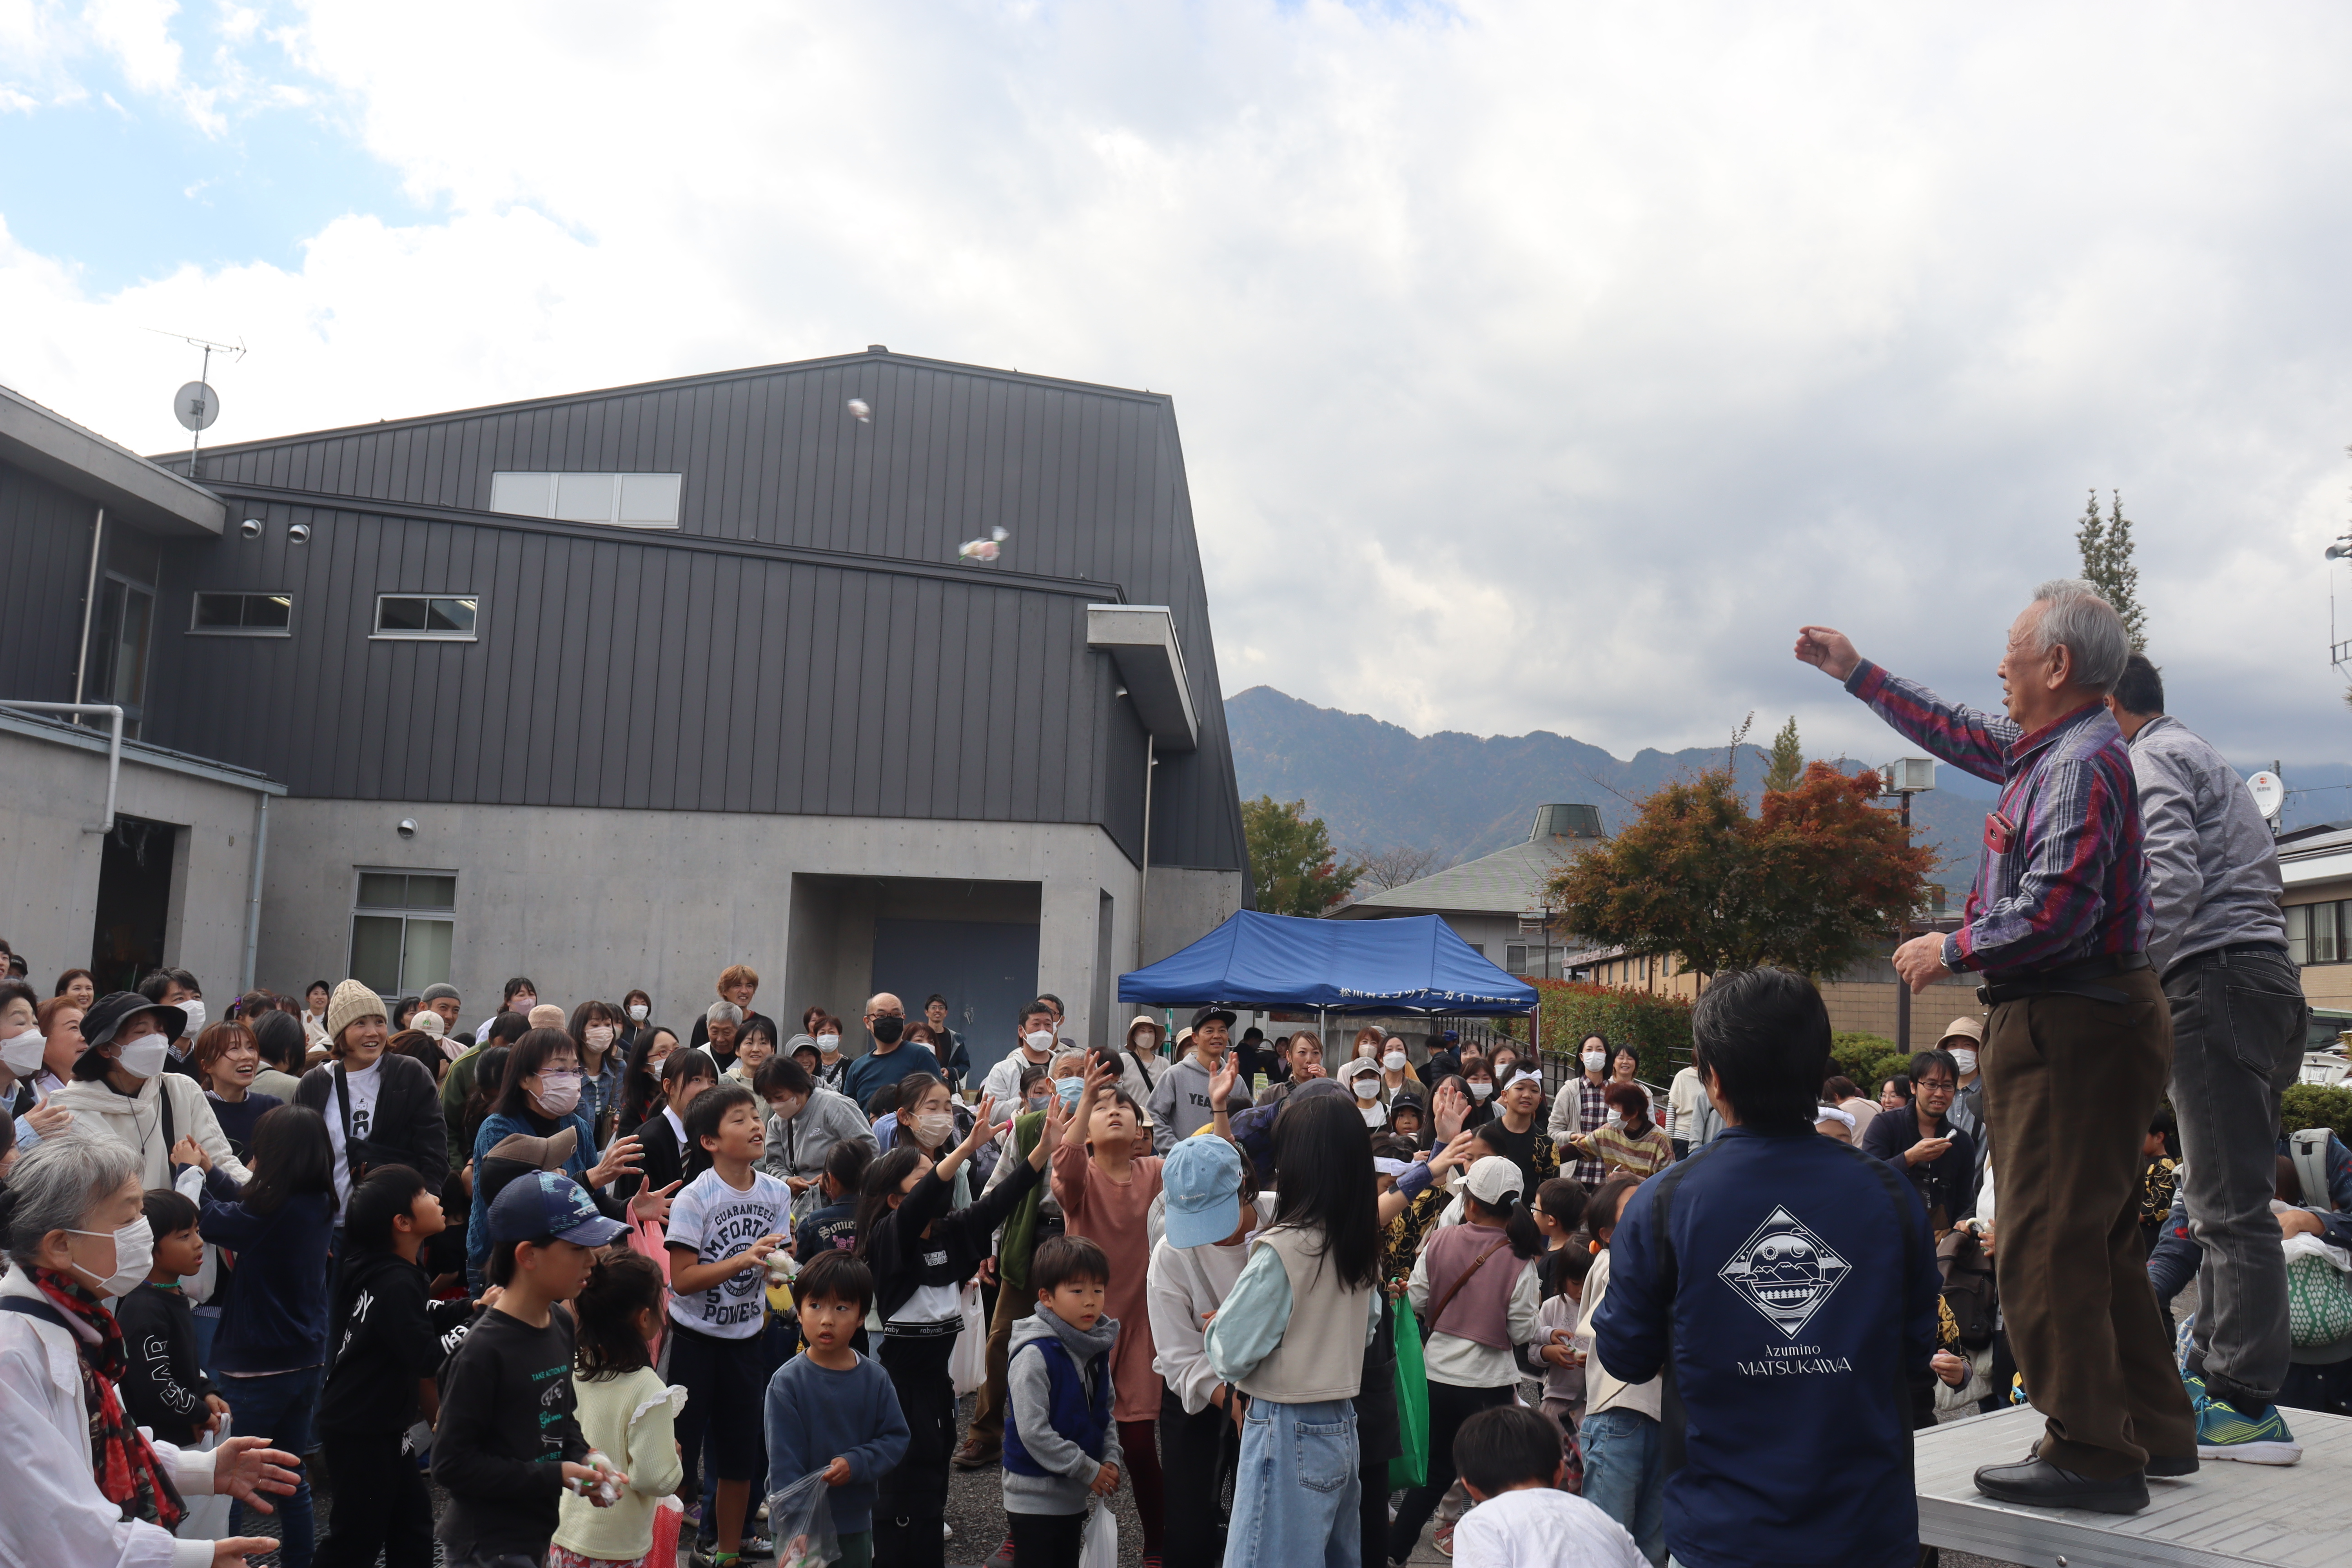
point(806, 640)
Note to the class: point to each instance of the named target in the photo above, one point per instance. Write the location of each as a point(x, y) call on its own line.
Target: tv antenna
point(196, 405)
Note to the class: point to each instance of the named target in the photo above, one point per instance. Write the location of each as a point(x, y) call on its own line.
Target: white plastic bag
point(968, 1362)
point(207, 1516)
point(1101, 1547)
point(800, 1522)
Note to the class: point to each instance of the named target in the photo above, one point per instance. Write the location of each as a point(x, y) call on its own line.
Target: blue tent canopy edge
point(1416, 963)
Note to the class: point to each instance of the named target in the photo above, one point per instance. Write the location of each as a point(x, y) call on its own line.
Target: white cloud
point(1550, 364)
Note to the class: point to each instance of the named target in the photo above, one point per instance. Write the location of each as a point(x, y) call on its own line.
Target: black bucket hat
point(108, 1013)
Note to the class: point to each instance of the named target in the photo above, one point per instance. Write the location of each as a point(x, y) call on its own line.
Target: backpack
point(2308, 1150)
point(1968, 1287)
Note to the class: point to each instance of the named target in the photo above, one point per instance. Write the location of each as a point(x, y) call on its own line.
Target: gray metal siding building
point(693, 669)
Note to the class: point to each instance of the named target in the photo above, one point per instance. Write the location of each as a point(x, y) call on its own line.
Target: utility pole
point(1905, 777)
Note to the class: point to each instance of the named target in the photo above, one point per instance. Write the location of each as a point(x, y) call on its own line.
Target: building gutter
point(88, 603)
point(253, 900)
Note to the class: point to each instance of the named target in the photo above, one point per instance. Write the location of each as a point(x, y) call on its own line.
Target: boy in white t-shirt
point(1509, 1459)
point(722, 1229)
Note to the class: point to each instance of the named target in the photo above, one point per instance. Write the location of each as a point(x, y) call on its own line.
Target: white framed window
point(404, 926)
point(617, 500)
point(435, 617)
point(2314, 933)
point(242, 615)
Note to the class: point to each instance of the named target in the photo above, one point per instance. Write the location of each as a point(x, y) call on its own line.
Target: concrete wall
point(1186, 903)
point(590, 903)
point(52, 790)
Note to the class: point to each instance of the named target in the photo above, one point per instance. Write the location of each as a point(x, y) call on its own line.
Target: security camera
point(250, 528)
point(298, 533)
point(408, 828)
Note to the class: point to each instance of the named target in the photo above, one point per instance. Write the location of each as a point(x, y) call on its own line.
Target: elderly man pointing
point(2079, 1046)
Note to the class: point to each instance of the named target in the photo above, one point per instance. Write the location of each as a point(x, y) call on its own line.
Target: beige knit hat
point(547, 1015)
point(351, 1002)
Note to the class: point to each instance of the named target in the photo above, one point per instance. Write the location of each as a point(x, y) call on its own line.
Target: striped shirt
point(2060, 878)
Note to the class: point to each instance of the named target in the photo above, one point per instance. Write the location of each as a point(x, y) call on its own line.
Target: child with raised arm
point(507, 1443)
point(831, 1408)
point(1061, 1445)
point(722, 1229)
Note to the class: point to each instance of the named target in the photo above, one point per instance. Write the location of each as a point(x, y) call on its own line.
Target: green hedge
point(1868, 1059)
point(2313, 1105)
point(1658, 1027)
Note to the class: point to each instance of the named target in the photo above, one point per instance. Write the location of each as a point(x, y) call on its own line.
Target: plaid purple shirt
point(2060, 877)
point(1593, 1113)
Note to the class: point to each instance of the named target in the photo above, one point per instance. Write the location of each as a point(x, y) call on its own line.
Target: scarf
point(122, 1461)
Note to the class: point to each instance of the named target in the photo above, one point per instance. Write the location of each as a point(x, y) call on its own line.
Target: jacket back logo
point(1784, 1271)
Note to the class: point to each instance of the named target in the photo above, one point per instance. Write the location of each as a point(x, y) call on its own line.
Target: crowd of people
point(623, 1290)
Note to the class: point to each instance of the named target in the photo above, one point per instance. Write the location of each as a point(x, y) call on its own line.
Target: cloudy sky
point(1540, 366)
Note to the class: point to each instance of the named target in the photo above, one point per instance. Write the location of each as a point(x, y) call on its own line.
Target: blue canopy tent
point(1414, 965)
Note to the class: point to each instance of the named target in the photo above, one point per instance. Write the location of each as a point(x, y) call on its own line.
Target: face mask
point(1069, 1088)
point(1365, 1093)
point(523, 1002)
point(194, 1009)
point(1481, 1090)
point(828, 1044)
point(1038, 1097)
point(888, 1030)
point(21, 1054)
point(599, 1035)
point(1393, 1061)
point(1594, 1061)
point(1039, 1040)
point(933, 1126)
point(144, 1058)
point(1967, 1061)
point(135, 1255)
point(559, 1092)
point(638, 1012)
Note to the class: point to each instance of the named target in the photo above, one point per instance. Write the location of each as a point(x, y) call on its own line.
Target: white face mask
point(638, 1012)
point(194, 1009)
point(1393, 1061)
point(22, 1052)
point(523, 1002)
point(598, 1035)
point(144, 1058)
point(1481, 1089)
point(1039, 1040)
point(933, 1126)
point(1594, 1061)
point(135, 1255)
point(559, 1092)
point(829, 1044)
point(1966, 1061)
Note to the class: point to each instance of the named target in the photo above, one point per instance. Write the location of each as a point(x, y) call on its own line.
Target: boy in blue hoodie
point(1061, 1445)
point(1792, 1280)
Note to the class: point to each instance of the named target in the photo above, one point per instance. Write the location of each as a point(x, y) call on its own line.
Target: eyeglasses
point(1934, 1086)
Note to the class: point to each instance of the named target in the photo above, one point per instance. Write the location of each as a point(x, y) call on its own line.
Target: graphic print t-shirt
point(364, 1085)
point(719, 1222)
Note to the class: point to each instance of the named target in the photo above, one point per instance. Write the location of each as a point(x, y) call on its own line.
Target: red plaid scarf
point(119, 1455)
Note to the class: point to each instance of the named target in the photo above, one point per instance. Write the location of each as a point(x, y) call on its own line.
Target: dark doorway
point(985, 968)
point(134, 902)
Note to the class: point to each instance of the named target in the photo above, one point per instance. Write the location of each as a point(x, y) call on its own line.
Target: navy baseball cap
point(1203, 1179)
point(550, 1203)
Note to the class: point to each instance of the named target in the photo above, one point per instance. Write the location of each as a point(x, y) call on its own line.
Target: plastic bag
point(1412, 1468)
point(968, 1361)
point(2318, 1293)
point(800, 1522)
point(1101, 1547)
point(207, 1516)
point(669, 1515)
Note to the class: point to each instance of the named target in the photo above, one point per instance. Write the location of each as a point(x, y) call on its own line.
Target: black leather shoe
point(2037, 1483)
point(2171, 1467)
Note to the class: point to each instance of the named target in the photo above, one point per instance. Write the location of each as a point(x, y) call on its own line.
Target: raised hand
point(1056, 1123)
point(1221, 1082)
point(620, 1159)
point(653, 1206)
point(982, 1124)
point(1447, 1111)
point(1828, 650)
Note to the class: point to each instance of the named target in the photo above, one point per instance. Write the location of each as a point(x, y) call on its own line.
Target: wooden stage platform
point(2289, 1516)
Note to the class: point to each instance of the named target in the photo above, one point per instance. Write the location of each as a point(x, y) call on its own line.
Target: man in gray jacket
point(805, 1120)
point(2218, 937)
point(1179, 1104)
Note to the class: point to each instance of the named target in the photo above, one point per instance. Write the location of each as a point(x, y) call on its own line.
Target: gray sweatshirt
point(1179, 1104)
point(2212, 864)
point(798, 1147)
point(1031, 1389)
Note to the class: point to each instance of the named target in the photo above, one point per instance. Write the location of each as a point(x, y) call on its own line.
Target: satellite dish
point(195, 406)
point(2269, 791)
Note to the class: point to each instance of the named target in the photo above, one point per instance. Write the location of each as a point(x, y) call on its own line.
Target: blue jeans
point(1625, 1475)
point(279, 1405)
point(1298, 1493)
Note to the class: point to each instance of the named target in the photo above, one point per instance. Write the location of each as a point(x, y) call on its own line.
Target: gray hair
point(2082, 621)
point(722, 1013)
point(58, 1181)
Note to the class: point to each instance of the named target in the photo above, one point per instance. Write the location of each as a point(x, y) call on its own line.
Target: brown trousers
point(2070, 1086)
point(988, 1410)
